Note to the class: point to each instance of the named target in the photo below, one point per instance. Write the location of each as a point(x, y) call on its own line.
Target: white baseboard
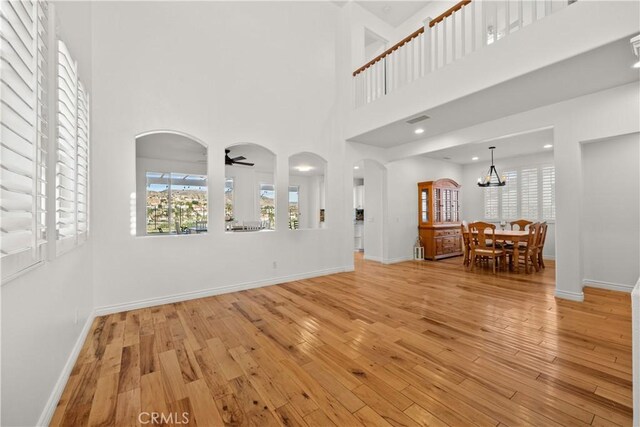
point(56, 393)
point(572, 296)
point(134, 305)
point(607, 285)
point(373, 258)
point(397, 260)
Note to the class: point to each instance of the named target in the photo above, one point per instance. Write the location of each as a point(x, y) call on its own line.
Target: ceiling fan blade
point(238, 158)
point(243, 163)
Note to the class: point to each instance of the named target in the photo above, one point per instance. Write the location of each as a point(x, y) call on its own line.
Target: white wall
point(44, 310)
point(193, 67)
point(402, 200)
point(611, 211)
point(473, 197)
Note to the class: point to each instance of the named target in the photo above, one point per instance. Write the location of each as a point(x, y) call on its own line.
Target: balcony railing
point(459, 31)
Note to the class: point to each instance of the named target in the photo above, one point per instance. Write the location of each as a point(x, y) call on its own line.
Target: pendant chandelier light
point(487, 180)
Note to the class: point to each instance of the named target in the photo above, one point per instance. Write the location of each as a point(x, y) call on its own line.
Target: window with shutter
point(72, 155)
point(491, 203)
point(549, 193)
point(509, 199)
point(23, 134)
point(529, 193)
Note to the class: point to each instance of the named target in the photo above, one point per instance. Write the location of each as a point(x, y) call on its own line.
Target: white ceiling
point(170, 146)
point(593, 71)
point(393, 13)
point(506, 147)
point(307, 159)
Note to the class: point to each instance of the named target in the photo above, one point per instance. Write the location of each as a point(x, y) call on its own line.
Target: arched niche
point(171, 184)
point(307, 191)
point(250, 188)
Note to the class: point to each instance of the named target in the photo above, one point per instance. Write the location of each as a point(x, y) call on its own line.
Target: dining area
point(485, 245)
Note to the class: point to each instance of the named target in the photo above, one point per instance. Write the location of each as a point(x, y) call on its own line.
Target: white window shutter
point(529, 193)
point(82, 164)
point(509, 208)
point(549, 193)
point(23, 134)
point(491, 203)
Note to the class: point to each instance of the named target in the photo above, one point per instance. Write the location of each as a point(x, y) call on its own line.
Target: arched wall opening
point(369, 198)
point(307, 191)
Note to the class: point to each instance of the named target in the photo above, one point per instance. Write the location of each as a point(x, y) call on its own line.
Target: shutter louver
point(549, 193)
point(529, 193)
point(491, 203)
point(23, 133)
point(83, 163)
point(66, 149)
point(510, 196)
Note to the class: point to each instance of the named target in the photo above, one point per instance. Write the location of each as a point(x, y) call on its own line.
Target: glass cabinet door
point(424, 205)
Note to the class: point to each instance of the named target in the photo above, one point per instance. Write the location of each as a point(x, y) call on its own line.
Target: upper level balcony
point(480, 60)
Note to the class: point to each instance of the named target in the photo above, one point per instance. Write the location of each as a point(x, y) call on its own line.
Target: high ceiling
point(393, 13)
point(170, 146)
point(506, 147)
point(603, 68)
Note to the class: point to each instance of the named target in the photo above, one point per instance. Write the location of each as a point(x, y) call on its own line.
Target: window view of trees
point(176, 203)
point(228, 200)
point(268, 206)
point(294, 207)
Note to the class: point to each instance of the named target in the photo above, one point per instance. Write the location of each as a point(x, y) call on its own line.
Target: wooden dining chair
point(542, 238)
point(478, 237)
point(521, 223)
point(465, 243)
point(528, 250)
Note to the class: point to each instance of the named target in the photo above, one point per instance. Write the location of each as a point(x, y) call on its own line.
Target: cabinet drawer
point(449, 241)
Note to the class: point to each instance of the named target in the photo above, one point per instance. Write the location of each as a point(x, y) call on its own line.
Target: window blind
point(491, 203)
point(529, 193)
point(549, 193)
point(23, 134)
point(66, 149)
point(510, 196)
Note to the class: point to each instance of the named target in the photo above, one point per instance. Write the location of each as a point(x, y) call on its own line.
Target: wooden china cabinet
point(439, 218)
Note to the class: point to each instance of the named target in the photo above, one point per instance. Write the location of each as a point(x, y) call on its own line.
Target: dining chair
point(478, 243)
point(527, 250)
point(465, 243)
point(521, 223)
point(543, 237)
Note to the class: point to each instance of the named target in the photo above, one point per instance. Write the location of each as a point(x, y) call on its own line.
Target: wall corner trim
point(620, 287)
point(58, 388)
point(571, 296)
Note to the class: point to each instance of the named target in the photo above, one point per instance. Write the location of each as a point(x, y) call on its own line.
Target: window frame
point(275, 204)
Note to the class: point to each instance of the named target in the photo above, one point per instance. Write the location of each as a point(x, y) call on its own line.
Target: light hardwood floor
point(416, 343)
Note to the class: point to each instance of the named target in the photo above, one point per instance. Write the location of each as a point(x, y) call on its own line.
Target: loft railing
point(462, 29)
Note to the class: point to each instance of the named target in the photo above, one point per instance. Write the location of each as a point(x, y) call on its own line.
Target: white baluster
point(520, 13)
point(507, 17)
point(547, 7)
point(463, 34)
point(453, 37)
point(484, 25)
point(444, 41)
point(495, 22)
point(474, 36)
point(428, 50)
point(534, 11)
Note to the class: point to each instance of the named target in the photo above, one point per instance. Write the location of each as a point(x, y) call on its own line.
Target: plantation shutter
point(67, 152)
point(510, 196)
point(82, 165)
point(491, 203)
point(548, 193)
point(529, 193)
point(23, 134)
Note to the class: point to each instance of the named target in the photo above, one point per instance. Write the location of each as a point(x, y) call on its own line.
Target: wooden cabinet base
point(449, 255)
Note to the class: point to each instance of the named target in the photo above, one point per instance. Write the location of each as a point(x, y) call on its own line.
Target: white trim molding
point(572, 296)
point(168, 299)
point(397, 260)
point(635, 328)
point(56, 393)
point(607, 285)
point(372, 258)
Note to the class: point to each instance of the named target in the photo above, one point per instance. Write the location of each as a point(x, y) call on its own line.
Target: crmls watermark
point(162, 418)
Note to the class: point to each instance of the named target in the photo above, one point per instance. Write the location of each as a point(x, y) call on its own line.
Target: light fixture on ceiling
point(303, 168)
point(548, 146)
point(474, 158)
point(356, 167)
point(635, 44)
point(418, 131)
point(487, 180)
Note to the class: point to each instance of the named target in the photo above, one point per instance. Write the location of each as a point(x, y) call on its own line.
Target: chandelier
point(488, 180)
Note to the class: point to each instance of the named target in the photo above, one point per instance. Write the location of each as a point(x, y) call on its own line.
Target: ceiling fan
point(236, 160)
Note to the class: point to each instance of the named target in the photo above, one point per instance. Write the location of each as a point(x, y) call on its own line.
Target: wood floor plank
point(413, 343)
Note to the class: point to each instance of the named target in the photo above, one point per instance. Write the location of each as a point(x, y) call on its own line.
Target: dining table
point(512, 236)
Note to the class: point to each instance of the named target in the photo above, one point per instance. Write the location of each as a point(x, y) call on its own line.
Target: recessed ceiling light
point(418, 131)
point(356, 167)
point(548, 146)
point(474, 158)
point(447, 158)
point(304, 168)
